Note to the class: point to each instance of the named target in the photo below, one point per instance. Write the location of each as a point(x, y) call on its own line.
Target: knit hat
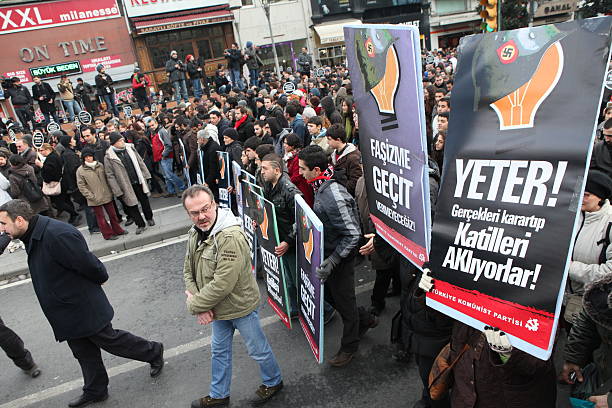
point(114, 137)
point(599, 184)
point(231, 133)
point(65, 140)
point(88, 151)
point(57, 134)
point(249, 44)
point(99, 67)
point(4, 152)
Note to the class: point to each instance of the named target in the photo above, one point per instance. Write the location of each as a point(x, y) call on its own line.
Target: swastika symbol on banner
point(507, 52)
point(532, 325)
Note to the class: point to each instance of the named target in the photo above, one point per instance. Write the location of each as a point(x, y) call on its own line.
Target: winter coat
point(67, 279)
point(211, 163)
point(330, 111)
point(299, 128)
point(104, 84)
point(66, 91)
point(245, 130)
point(16, 178)
point(71, 164)
point(337, 210)
point(282, 195)
point(99, 148)
point(162, 145)
point(221, 126)
point(84, 91)
point(235, 151)
point(234, 59)
point(140, 82)
point(192, 70)
point(217, 271)
point(44, 90)
point(585, 267)
point(52, 168)
point(601, 159)
point(93, 185)
point(174, 73)
point(20, 96)
point(117, 175)
point(4, 188)
point(590, 338)
point(30, 157)
point(293, 168)
point(190, 141)
point(321, 141)
point(347, 167)
point(304, 62)
point(253, 61)
point(482, 381)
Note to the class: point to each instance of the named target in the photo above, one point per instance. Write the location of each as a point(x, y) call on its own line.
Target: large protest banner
point(264, 215)
point(224, 179)
point(385, 66)
point(248, 217)
point(309, 244)
point(524, 109)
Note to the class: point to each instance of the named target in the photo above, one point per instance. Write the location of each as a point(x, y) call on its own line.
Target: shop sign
point(109, 61)
point(183, 24)
point(56, 70)
point(550, 8)
point(137, 8)
point(58, 13)
point(23, 75)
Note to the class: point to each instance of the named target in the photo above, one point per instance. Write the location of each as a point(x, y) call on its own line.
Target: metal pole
point(531, 12)
point(266, 7)
point(499, 16)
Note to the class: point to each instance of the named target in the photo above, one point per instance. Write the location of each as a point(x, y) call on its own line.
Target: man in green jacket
point(221, 289)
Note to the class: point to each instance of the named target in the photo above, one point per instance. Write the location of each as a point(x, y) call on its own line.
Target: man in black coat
point(45, 96)
point(22, 102)
point(67, 280)
point(207, 161)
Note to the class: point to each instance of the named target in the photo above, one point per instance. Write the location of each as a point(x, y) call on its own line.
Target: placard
point(224, 179)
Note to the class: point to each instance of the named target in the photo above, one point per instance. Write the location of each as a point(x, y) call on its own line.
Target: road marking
point(170, 207)
point(134, 365)
point(113, 257)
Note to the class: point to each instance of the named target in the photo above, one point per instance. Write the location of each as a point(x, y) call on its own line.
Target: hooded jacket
point(347, 167)
point(217, 270)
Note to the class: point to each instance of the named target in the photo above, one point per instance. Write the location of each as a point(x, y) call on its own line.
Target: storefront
point(189, 28)
point(65, 37)
point(330, 42)
point(448, 36)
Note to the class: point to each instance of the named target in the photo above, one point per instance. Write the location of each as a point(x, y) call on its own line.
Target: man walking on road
point(222, 289)
point(68, 279)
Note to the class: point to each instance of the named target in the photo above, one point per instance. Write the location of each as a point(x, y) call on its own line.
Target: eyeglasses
point(203, 211)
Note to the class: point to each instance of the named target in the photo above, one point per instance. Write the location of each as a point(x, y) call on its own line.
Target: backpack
point(30, 190)
point(606, 242)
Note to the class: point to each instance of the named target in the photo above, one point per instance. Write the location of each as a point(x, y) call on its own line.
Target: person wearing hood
point(207, 160)
point(128, 176)
point(592, 253)
point(24, 185)
point(345, 158)
point(253, 63)
point(195, 75)
point(278, 135)
point(330, 112)
point(91, 180)
point(221, 290)
point(176, 76)
point(590, 339)
point(105, 90)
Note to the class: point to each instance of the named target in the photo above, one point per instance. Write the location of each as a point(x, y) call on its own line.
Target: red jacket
point(158, 148)
point(137, 84)
point(293, 168)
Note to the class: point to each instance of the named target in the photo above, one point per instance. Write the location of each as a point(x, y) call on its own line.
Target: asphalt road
point(146, 291)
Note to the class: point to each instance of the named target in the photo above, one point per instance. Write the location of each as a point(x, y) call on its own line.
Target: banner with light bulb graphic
point(385, 66)
point(524, 109)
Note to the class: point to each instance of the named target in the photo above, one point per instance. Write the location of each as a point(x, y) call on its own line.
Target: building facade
point(452, 19)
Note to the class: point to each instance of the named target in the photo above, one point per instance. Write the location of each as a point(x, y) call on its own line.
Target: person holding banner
point(221, 289)
point(337, 210)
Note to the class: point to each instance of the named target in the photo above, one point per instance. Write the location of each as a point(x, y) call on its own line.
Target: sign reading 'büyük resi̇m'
point(514, 176)
point(309, 243)
point(385, 66)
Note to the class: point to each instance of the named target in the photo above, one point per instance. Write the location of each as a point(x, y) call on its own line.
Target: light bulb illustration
point(309, 247)
point(263, 219)
point(379, 65)
point(222, 167)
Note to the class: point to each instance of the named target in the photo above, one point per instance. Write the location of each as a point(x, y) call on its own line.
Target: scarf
point(91, 165)
point(241, 121)
point(318, 181)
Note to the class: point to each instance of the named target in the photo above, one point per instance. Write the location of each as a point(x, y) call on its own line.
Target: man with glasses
point(221, 289)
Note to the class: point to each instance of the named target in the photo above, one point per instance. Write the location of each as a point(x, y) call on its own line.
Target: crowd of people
point(307, 143)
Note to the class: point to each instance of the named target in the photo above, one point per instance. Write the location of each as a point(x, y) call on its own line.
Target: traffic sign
point(85, 117)
point(289, 87)
point(608, 82)
point(53, 127)
point(38, 139)
point(127, 110)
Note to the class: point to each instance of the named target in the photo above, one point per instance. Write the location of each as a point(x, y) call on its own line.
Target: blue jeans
point(197, 87)
point(235, 78)
point(174, 184)
point(180, 91)
point(72, 107)
point(48, 117)
point(257, 346)
point(110, 103)
point(254, 74)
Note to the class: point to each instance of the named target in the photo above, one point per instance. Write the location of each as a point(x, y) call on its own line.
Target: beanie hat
point(88, 151)
point(114, 137)
point(249, 44)
point(599, 184)
point(231, 133)
point(99, 67)
point(57, 134)
point(65, 140)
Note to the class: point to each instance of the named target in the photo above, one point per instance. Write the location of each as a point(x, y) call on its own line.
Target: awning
point(333, 33)
point(176, 21)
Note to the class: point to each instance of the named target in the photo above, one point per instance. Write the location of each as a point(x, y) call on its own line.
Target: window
point(451, 6)
point(332, 55)
point(246, 3)
point(334, 6)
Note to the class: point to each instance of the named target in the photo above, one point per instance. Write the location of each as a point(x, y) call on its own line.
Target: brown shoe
point(341, 359)
point(208, 401)
point(264, 393)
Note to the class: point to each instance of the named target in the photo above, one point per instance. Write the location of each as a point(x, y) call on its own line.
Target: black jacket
point(67, 279)
point(174, 73)
point(282, 195)
point(99, 148)
point(104, 85)
point(235, 151)
point(234, 59)
point(52, 168)
point(20, 95)
point(44, 90)
point(245, 130)
point(192, 70)
point(211, 164)
point(71, 164)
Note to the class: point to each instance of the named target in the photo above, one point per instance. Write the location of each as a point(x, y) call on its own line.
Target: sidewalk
point(171, 222)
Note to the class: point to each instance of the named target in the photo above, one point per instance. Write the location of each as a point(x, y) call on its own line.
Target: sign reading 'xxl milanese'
point(58, 13)
point(513, 176)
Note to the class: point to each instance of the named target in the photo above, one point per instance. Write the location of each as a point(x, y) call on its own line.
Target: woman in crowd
point(24, 185)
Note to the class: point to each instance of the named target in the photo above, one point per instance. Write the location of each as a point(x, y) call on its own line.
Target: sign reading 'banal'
point(137, 8)
point(58, 13)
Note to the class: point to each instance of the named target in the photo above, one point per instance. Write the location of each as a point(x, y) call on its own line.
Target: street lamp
point(266, 6)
